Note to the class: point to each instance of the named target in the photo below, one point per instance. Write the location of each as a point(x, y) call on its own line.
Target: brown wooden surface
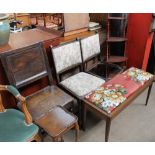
point(57, 122)
point(108, 117)
point(44, 100)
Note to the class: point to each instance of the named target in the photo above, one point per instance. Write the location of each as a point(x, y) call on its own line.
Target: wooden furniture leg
point(55, 139)
point(148, 94)
point(107, 131)
point(76, 132)
point(84, 115)
point(37, 138)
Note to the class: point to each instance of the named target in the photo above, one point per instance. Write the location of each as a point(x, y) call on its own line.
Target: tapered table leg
point(84, 115)
point(107, 130)
point(76, 132)
point(148, 94)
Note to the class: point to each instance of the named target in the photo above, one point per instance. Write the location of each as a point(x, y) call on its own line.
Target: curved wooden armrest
point(20, 98)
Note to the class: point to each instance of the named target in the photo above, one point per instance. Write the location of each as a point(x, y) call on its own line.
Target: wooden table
point(110, 116)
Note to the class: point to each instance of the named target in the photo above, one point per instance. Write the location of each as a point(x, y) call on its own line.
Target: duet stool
point(57, 122)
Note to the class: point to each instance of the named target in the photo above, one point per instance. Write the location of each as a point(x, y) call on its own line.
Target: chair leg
point(55, 139)
point(148, 94)
point(62, 140)
point(76, 132)
point(37, 138)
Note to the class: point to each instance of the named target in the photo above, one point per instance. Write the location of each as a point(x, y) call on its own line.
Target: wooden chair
point(16, 126)
point(91, 56)
point(68, 67)
point(26, 66)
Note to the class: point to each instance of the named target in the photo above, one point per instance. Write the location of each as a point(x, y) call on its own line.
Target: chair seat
point(57, 121)
point(13, 127)
point(44, 100)
point(82, 83)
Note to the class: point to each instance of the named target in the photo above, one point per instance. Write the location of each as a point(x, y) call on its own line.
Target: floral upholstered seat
point(82, 83)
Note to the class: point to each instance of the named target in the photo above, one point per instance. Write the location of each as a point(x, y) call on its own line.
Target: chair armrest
point(20, 98)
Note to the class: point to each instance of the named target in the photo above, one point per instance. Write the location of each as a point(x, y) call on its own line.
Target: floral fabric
point(66, 55)
point(107, 97)
point(138, 75)
point(90, 46)
point(114, 92)
point(82, 83)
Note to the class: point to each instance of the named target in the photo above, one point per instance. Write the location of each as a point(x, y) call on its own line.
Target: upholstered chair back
point(90, 47)
point(66, 56)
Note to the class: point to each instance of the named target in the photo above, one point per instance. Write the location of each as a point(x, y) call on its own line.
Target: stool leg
point(55, 139)
point(76, 132)
point(62, 140)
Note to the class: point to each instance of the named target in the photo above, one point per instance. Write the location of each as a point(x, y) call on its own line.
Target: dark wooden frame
point(115, 112)
point(95, 57)
point(10, 75)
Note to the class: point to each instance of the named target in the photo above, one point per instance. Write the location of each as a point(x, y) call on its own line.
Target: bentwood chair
point(91, 56)
point(16, 126)
point(26, 66)
point(70, 76)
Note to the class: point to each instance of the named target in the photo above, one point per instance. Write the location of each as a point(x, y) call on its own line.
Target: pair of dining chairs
point(46, 108)
point(72, 73)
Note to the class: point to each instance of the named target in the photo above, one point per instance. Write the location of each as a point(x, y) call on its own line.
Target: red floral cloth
point(114, 92)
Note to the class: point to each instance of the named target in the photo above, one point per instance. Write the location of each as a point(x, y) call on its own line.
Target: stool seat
point(57, 121)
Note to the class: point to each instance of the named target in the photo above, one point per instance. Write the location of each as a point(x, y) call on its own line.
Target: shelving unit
point(121, 61)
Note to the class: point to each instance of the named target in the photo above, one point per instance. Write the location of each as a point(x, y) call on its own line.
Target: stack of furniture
point(26, 66)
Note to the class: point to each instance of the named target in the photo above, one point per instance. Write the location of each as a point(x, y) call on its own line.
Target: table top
point(26, 38)
point(121, 106)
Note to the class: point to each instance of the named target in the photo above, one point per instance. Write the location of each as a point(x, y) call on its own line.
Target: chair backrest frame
point(68, 69)
point(26, 61)
point(92, 56)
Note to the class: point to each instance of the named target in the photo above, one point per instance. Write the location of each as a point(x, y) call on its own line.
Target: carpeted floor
point(135, 124)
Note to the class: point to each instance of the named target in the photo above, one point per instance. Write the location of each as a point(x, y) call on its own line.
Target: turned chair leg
point(76, 132)
point(37, 138)
point(148, 94)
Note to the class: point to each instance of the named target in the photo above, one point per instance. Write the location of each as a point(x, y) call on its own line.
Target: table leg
point(107, 130)
point(148, 94)
point(76, 132)
point(84, 116)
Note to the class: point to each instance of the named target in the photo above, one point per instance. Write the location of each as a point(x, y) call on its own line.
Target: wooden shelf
point(116, 39)
point(117, 18)
point(115, 59)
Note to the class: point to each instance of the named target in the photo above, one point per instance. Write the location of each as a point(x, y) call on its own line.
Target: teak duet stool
point(26, 66)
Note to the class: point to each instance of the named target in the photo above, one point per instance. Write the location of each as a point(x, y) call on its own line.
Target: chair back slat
point(66, 55)
point(90, 47)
